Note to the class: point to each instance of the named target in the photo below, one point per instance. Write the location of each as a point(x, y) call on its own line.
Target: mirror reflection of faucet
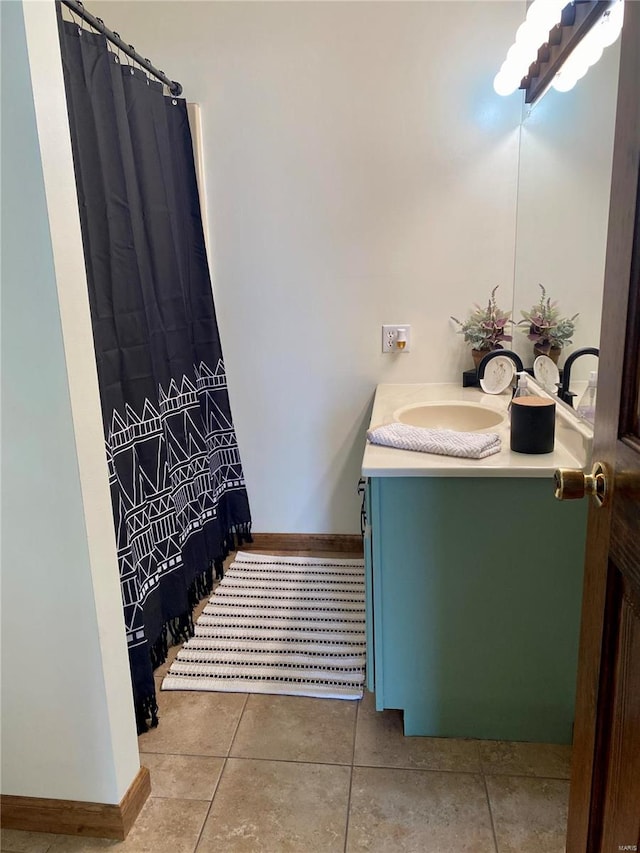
point(563, 387)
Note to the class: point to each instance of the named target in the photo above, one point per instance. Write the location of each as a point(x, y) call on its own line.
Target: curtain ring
point(73, 19)
point(132, 67)
point(117, 57)
point(81, 24)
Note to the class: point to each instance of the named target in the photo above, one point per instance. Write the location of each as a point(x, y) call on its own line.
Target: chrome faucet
point(563, 387)
point(493, 354)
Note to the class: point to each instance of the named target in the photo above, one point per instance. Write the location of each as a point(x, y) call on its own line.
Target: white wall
point(360, 170)
point(68, 728)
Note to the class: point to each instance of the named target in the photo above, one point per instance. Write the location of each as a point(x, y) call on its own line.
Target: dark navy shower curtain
point(177, 487)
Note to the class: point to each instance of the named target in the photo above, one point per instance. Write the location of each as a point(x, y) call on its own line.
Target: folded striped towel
point(445, 442)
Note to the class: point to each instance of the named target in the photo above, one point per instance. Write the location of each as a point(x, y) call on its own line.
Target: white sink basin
point(463, 417)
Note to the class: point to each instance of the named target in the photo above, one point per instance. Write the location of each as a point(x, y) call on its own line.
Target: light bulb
point(577, 57)
point(592, 52)
point(573, 69)
point(545, 10)
point(518, 55)
point(531, 36)
point(505, 84)
point(564, 82)
point(545, 14)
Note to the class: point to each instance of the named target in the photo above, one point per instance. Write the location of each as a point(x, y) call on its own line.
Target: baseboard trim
point(71, 817)
point(344, 542)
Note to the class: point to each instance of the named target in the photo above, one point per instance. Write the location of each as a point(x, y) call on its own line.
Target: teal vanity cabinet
point(473, 591)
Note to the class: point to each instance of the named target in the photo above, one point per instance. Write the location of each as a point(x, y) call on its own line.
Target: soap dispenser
point(522, 388)
point(587, 405)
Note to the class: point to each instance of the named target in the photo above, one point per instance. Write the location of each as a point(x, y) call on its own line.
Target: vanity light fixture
point(557, 44)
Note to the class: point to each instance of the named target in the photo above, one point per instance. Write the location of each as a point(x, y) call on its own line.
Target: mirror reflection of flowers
point(547, 329)
point(485, 328)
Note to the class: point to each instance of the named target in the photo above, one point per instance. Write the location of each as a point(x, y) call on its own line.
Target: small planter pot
point(553, 353)
point(479, 354)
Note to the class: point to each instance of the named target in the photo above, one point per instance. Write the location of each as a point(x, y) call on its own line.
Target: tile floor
point(237, 773)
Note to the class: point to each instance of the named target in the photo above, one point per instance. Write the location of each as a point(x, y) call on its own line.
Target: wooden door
point(604, 806)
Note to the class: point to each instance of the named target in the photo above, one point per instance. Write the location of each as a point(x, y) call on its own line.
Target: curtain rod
point(98, 24)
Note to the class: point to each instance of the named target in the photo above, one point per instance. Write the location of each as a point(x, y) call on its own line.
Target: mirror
point(564, 181)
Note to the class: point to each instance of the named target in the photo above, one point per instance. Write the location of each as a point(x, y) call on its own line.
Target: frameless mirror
point(564, 182)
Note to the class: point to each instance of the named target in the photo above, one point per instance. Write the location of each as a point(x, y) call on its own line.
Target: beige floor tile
point(17, 841)
point(183, 777)
point(76, 844)
point(380, 743)
point(278, 807)
point(406, 811)
point(529, 815)
point(296, 728)
point(549, 760)
point(163, 826)
point(194, 723)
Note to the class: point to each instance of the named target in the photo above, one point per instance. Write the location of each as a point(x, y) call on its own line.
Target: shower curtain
point(177, 486)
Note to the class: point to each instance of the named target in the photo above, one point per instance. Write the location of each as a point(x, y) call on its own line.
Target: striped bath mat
point(285, 625)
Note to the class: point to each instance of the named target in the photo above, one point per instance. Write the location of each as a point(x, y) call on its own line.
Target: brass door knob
point(572, 483)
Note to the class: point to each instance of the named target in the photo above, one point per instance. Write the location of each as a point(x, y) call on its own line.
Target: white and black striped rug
point(286, 625)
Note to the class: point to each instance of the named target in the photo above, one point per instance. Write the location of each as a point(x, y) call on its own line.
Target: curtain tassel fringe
point(146, 714)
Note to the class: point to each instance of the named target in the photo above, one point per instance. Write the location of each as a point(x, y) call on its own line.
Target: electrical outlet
point(393, 335)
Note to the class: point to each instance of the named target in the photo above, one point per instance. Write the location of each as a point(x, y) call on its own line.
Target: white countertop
point(570, 444)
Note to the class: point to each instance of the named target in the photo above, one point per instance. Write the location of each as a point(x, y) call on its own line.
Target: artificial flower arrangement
point(546, 328)
point(485, 328)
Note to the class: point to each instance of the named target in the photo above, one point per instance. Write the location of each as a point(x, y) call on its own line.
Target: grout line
point(355, 732)
point(344, 764)
point(15, 850)
point(246, 700)
point(143, 752)
point(493, 828)
point(223, 768)
point(213, 796)
point(419, 769)
point(206, 817)
point(183, 754)
point(10, 849)
point(353, 758)
point(471, 771)
point(290, 760)
point(182, 799)
point(526, 776)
